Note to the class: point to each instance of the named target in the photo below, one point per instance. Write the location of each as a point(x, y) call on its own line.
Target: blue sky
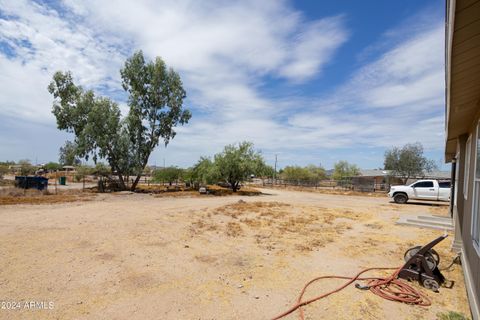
point(312, 81)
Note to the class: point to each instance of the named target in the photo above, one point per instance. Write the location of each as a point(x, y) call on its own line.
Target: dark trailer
point(34, 182)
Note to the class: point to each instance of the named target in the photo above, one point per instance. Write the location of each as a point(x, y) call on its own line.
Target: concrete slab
point(429, 222)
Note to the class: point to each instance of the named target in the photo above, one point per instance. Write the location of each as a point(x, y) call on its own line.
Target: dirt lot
point(138, 256)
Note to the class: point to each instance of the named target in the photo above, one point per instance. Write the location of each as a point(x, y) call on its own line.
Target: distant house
point(437, 175)
point(15, 168)
point(462, 131)
point(440, 175)
point(68, 168)
point(372, 180)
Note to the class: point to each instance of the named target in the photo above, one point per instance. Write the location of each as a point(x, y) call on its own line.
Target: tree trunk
point(137, 179)
point(234, 186)
point(134, 184)
point(122, 181)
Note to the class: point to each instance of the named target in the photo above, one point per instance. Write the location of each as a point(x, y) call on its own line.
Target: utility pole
point(163, 182)
point(275, 171)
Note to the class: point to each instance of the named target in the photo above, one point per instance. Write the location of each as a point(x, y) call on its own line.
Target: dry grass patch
point(180, 194)
point(318, 242)
point(368, 243)
point(377, 225)
point(221, 191)
point(9, 183)
point(253, 223)
point(13, 196)
point(441, 210)
point(351, 215)
point(324, 190)
point(297, 224)
point(279, 226)
point(161, 189)
point(234, 229)
point(242, 208)
point(182, 191)
point(200, 226)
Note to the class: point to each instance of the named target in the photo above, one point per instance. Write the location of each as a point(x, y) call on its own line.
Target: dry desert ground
point(141, 256)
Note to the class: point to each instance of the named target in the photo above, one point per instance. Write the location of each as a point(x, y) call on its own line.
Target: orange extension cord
point(390, 288)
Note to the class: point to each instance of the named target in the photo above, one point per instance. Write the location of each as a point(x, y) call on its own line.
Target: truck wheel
point(400, 198)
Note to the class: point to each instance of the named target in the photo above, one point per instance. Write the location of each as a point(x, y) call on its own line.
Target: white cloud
point(410, 73)
point(223, 49)
point(43, 42)
point(305, 61)
point(20, 95)
point(395, 99)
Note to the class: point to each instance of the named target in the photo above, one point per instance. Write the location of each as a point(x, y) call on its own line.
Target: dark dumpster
point(31, 182)
point(62, 180)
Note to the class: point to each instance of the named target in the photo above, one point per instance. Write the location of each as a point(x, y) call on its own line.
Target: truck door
point(444, 191)
point(425, 190)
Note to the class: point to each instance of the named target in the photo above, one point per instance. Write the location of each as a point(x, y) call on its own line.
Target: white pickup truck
point(433, 190)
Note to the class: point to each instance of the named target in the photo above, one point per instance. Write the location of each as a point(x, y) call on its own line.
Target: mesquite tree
point(205, 171)
point(308, 173)
point(235, 164)
point(408, 161)
point(155, 100)
point(343, 169)
point(67, 155)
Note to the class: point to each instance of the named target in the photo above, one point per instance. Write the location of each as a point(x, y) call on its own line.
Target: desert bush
point(237, 162)
point(26, 168)
point(204, 171)
point(344, 170)
point(53, 166)
point(3, 170)
point(169, 174)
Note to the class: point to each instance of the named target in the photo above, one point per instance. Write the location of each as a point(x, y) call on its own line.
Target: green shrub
point(451, 315)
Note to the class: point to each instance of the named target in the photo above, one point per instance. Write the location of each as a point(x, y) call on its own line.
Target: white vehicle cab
point(432, 190)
